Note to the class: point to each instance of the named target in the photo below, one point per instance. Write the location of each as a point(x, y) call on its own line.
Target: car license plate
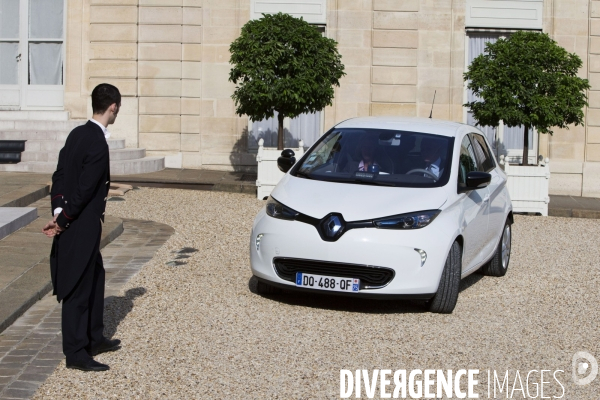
point(327, 282)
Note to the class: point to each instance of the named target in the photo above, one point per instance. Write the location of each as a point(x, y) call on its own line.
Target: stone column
point(350, 24)
point(395, 49)
point(222, 137)
point(191, 84)
point(159, 73)
point(109, 56)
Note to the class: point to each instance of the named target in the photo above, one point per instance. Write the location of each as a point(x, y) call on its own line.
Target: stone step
point(35, 115)
point(56, 145)
point(44, 156)
point(52, 156)
point(30, 166)
point(126, 154)
point(114, 144)
point(33, 125)
point(14, 218)
point(139, 166)
point(34, 135)
point(120, 167)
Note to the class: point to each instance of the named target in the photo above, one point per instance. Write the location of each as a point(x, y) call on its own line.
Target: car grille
point(370, 277)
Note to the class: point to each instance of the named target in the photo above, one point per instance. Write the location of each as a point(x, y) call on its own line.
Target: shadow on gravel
point(344, 303)
point(470, 281)
point(117, 308)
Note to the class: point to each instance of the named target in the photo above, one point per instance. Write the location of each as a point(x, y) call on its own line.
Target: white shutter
point(515, 14)
point(312, 11)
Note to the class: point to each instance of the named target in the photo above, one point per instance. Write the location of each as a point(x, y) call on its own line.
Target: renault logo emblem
point(332, 227)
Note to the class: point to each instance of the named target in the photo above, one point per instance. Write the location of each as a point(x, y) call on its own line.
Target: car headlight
point(414, 220)
point(277, 210)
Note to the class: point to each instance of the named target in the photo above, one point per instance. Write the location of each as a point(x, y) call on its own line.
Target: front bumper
point(393, 249)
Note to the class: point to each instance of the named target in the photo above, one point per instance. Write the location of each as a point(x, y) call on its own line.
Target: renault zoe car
point(385, 208)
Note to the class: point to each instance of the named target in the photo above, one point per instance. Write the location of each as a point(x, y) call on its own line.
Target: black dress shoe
point(106, 346)
point(87, 365)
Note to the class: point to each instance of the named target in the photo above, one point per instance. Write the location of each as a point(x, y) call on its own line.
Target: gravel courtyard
point(198, 331)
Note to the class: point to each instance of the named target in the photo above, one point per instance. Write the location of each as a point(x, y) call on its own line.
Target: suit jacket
point(80, 186)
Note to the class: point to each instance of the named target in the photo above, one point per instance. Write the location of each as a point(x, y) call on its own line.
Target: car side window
point(484, 155)
point(467, 161)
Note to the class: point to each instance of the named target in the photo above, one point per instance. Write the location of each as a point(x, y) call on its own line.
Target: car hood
point(354, 201)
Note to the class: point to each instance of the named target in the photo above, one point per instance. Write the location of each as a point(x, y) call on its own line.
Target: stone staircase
point(45, 133)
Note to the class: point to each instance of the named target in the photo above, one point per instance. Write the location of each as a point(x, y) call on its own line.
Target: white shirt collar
point(435, 166)
point(104, 130)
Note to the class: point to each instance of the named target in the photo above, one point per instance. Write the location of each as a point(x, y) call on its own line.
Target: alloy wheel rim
point(506, 246)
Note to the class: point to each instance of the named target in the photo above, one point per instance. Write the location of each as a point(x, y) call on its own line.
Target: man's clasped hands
point(52, 228)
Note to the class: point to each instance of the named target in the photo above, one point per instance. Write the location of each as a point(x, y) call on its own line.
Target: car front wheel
point(498, 265)
point(445, 299)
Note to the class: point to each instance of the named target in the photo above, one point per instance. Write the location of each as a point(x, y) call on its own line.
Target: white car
point(385, 208)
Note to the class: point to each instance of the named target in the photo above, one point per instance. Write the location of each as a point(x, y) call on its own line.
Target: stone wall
point(170, 60)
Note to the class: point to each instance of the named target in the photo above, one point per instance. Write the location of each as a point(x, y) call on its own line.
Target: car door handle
point(486, 198)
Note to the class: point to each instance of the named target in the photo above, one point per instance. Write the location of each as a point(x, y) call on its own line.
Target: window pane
point(9, 71)
point(9, 19)
point(305, 127)
point(45, 63)
point(513, 137)
point(483, 153)
point(466, 161)
point(46, 19)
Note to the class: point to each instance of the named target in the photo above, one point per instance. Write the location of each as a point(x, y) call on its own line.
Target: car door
point(474, 207)
point(497, 198)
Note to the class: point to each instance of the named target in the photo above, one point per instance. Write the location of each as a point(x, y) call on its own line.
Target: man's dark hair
point(103, 96)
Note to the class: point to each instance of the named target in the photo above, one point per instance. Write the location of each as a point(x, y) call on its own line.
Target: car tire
point(265, 288)
point(498, 265)
point(445, 299)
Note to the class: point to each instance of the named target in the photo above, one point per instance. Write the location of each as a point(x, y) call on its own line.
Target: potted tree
point(527, 79)
point(281, 65)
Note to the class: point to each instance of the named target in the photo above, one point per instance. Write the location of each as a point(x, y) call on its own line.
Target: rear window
point(379, 157)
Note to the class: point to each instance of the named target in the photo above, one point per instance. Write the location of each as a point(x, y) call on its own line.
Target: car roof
point(424, 125)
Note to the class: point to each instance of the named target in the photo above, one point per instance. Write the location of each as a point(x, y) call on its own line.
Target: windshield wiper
point(373, 182)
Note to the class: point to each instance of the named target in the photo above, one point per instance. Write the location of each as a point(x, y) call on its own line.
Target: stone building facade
point(170, 59)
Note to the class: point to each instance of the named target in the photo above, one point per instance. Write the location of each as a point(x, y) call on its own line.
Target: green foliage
point(281, 63)
point(527, 79)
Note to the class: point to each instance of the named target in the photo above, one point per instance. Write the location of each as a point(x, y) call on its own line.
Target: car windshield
point(379, 157)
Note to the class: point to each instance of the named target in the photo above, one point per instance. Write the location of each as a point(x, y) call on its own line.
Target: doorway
point(32, 54)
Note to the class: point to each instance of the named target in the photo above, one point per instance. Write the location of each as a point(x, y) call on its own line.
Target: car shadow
point(469, 281)
point(360, 305)
point(342, 303)
point(116, 309)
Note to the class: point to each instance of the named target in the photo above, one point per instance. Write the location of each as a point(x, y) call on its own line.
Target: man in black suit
point(79, 192)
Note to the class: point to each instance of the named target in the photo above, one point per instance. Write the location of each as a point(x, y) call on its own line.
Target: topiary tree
point(527, 79)
point(283, 64)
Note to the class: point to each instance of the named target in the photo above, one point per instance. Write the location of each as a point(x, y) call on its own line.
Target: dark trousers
point(82, 312)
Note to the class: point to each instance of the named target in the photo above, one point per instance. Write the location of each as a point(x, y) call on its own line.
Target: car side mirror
point(476, 180)
point(286, 161)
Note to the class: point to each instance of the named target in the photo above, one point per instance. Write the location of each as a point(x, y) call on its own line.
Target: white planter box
point(528, 186)
point(269, 174)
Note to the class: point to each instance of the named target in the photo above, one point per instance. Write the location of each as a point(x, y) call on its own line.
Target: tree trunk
point(280, 131)
point(526, 146)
